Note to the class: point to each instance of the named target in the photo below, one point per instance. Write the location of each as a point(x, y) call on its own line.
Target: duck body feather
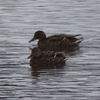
point(47, 61)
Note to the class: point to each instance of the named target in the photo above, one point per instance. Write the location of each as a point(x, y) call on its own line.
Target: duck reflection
point(36, 69)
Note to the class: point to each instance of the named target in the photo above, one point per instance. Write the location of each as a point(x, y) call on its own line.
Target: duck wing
point(72, 37)
point(48, 54)
point(56, 37)
point(62, 36)
point(63, 40)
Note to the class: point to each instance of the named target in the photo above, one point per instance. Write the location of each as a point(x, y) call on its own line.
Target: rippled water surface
point(79, 79)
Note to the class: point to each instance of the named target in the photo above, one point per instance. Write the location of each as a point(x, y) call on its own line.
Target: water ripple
point(79, 79)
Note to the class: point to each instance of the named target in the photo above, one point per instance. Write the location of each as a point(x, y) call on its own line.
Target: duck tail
point(66, 58)
point(78, 41)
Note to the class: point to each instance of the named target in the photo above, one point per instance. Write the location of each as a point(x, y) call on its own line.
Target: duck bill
point(32, 40)
point(29, 56)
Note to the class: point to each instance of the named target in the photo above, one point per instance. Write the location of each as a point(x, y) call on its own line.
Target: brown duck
point(46, 57)
point(56, 40)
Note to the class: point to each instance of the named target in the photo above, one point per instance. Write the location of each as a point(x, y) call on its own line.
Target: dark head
point(38, 35)
point(36, 52)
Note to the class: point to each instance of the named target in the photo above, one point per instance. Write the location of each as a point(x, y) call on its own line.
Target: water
point(79, 79)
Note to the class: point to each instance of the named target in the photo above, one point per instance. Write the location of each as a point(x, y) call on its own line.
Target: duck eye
point(37, 36)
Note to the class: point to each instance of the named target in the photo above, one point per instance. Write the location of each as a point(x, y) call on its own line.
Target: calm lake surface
point(79, 79)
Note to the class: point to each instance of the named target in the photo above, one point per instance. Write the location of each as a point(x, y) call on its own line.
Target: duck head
point(38, 35)
point(36, 52)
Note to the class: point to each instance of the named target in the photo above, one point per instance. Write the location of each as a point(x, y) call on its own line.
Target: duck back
point(61, 40)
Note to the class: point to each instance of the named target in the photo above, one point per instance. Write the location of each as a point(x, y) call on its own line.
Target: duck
point(59, 40)
point(38, 57)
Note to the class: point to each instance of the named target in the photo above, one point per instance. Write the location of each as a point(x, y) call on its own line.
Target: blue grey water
point(79, 79)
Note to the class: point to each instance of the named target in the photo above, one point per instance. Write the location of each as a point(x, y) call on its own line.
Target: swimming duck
point(46, 57)
point(56, 40)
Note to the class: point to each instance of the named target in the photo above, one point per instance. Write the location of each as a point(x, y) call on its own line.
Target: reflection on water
point(79, 79)
point(37, 70)
point(50, 66)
